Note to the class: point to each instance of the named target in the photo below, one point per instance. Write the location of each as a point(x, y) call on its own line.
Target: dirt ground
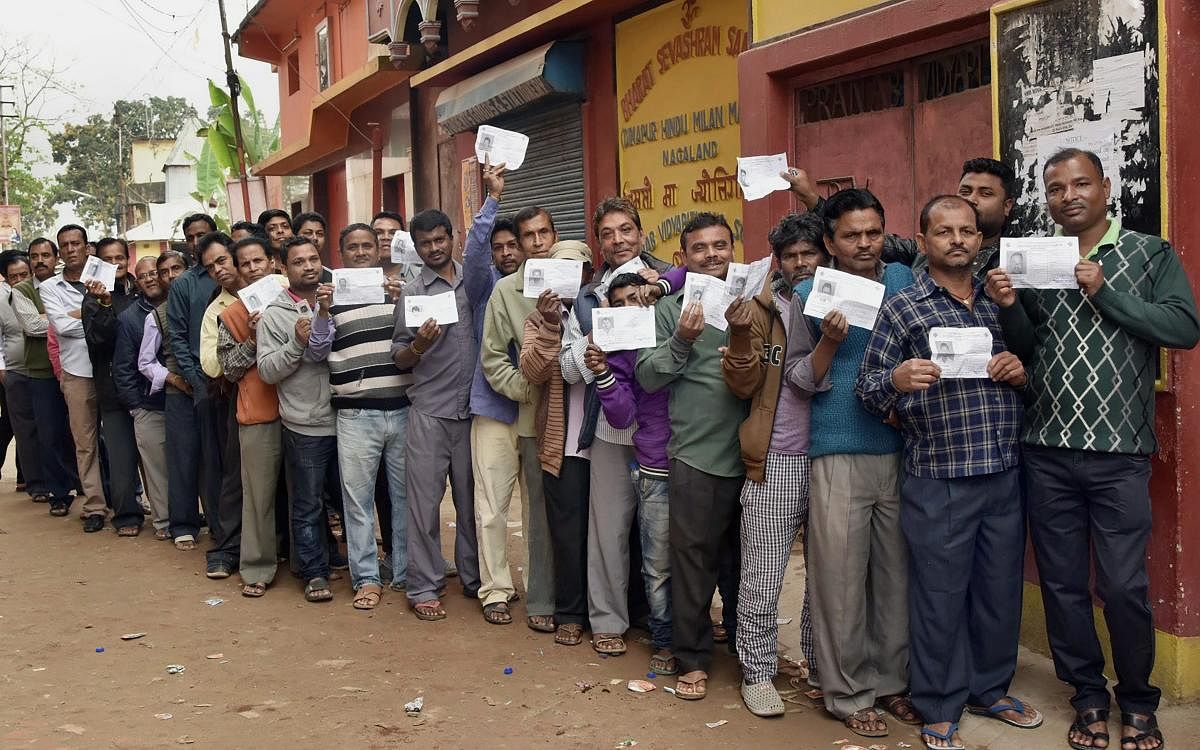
point(277, 672)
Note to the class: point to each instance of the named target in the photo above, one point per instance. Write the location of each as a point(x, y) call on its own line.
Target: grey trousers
point(539, 568)
point(261, 450)
point(150, 431)
point(434, 450)
point(859, 579)
point(612, 506)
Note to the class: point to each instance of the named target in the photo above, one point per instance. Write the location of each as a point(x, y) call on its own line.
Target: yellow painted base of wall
point(1177, 658)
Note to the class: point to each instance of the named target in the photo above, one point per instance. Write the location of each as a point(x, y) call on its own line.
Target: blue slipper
point(947, 737)
point(1009, 703)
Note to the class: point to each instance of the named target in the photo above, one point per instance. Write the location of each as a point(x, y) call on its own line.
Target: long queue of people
point(649, 479)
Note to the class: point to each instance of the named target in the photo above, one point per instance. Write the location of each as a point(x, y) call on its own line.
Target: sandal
point(497, 613)
point(1083, 719)
point(254, 590)
point(1147, 728)
point(692, 686)
point(59, 508)
point(1009, 703)
point(368, 596)
point(541, 623)
point(720, 634)
point(866, 717)
point(569, 634)
point(129, 531)
point(430, 610)
point(948, 738)
point(317, 590)
point(663, 662)
point(161, 535)
point(185, 543)
point(609, 644)
point(901, 707)
point(41, 497)
point(762, 699)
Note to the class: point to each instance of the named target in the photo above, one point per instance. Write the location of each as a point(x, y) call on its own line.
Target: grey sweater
point(301, 382)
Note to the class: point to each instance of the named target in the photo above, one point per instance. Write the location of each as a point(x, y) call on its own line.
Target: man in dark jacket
point(99, 314)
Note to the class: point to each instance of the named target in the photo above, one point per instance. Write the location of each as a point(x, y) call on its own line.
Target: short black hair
point(429, 220)
point(942, 200)
point(624, 280)
point(193, 218)
point(388, 215)
point(984, 165)
point(104, 242)
point(844, 201)
point(273, 213)
point(249, 226)
point(210, 239)
point(529, 213)
point(69, 228)
point(357, 226)
point(291, 242)
point(304, 218)
point(9, 257)
point(253, 239)
point(703, 220)
point(41, 241)
point(502, 225)
point(793, 228)
point(615, 204)
point(166, 255)
point(1067, 154)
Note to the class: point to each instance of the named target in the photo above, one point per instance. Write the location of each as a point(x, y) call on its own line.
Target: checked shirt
point(957, 428)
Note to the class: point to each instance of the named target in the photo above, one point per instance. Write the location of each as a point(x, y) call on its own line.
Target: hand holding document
point(563, 276)
point(97, 270)
point(629, 266)
point(261, 293)
point(759, 175)
point(1040, 262)
point(498, 146)
point(746, 280)
point(616, 329)
point(857, 298)
point(710, 292)
point(357, 286)
point(961, 352)
point(404, 250)
point(443, 308)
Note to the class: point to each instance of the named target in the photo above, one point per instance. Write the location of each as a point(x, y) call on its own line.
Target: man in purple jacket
point(625, 404)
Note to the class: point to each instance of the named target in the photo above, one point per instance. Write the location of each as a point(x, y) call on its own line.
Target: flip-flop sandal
point(368, 597)
point(185, 545)
point(865, 716)
point(41, 497)
point(497, 613)
point(129, 531)
point(926, 732)
point(720, 634)
point(901, 707)
point(697, 682)
point(1080, 726)
point(569, 634)
point(664, 664)
point(59, 509)
point(1009, 703)
point(317, 590)
point(254, 590)
point(429, 610)
point(162, 535)
point(609, 644)
point(1147, 728)
point(541, 623)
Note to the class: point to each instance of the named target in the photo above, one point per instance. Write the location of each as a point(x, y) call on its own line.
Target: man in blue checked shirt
point(960, 497)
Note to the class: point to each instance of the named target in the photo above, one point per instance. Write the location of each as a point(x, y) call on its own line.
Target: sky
point(107, 50)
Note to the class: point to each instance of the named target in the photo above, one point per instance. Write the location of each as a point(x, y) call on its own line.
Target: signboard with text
point(10, 227)
point(678, 118)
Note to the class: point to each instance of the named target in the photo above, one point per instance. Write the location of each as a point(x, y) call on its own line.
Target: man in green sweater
point(706, 472)
point(1088, 436)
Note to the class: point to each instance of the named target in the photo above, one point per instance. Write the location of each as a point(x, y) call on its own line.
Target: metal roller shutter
point(552, 174)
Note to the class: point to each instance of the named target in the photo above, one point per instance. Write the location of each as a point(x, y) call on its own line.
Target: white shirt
point(61, 299)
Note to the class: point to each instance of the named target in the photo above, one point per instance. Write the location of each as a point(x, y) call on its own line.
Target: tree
point(34, 81)
point(95, 154)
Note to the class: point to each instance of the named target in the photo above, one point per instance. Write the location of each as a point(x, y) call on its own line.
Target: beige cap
point(571, 250)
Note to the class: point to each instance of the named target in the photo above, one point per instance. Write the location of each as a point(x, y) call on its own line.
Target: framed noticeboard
point(1086, 74)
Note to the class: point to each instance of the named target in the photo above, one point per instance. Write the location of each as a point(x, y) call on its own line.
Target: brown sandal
point(901, 707)
point(569, 634)
point(609, 644)
point(254, 590)
point(429, 610)
point(129, 531)
point(497, 613)
point(368, 595)
point(541, 623)
point(866, 717)
point(692, 686)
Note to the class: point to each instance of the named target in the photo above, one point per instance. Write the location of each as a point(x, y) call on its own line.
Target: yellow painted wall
point(774, 18)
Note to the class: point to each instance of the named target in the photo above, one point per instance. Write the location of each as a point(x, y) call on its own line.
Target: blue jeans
point(654, 526)
point(364, 437)
point(308, 459)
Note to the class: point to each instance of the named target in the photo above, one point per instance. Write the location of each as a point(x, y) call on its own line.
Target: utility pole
point(235, 88)
point(4, 136)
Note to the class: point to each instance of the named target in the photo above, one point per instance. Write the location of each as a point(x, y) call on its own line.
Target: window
point(293, 73)
point(324, 65)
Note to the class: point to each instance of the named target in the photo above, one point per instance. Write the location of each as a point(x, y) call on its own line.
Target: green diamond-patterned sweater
point(1092, 362)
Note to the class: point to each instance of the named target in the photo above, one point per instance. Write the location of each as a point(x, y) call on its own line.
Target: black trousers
point(966, 538)
point(19, 402)
point(567, 514)
point(59, 470)
point(116, 425)
point(705, 522)
point(1085, 505)
point(225, 518)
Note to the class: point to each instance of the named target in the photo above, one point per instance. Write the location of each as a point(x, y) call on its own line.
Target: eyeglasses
point(147, 276)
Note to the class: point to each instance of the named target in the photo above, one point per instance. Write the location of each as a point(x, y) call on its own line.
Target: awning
point(328, 139)
point(552, 70)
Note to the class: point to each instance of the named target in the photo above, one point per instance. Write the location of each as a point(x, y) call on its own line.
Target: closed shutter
point(552, 173)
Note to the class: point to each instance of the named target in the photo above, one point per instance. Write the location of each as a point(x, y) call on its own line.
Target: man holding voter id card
point(1089, 434)
point(958, 401)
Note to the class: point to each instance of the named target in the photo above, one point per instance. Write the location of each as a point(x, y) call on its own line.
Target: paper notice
point(1040, 262)
point(563, 276)
point(617, 329)
point(357, 286)
point(261, 293)
point(710, 292)
point(443, 308)
point(857, 298)
point(961, 352)
point(95, 269)
point(1119, 85)
point(759, 175)
point(501, 146)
